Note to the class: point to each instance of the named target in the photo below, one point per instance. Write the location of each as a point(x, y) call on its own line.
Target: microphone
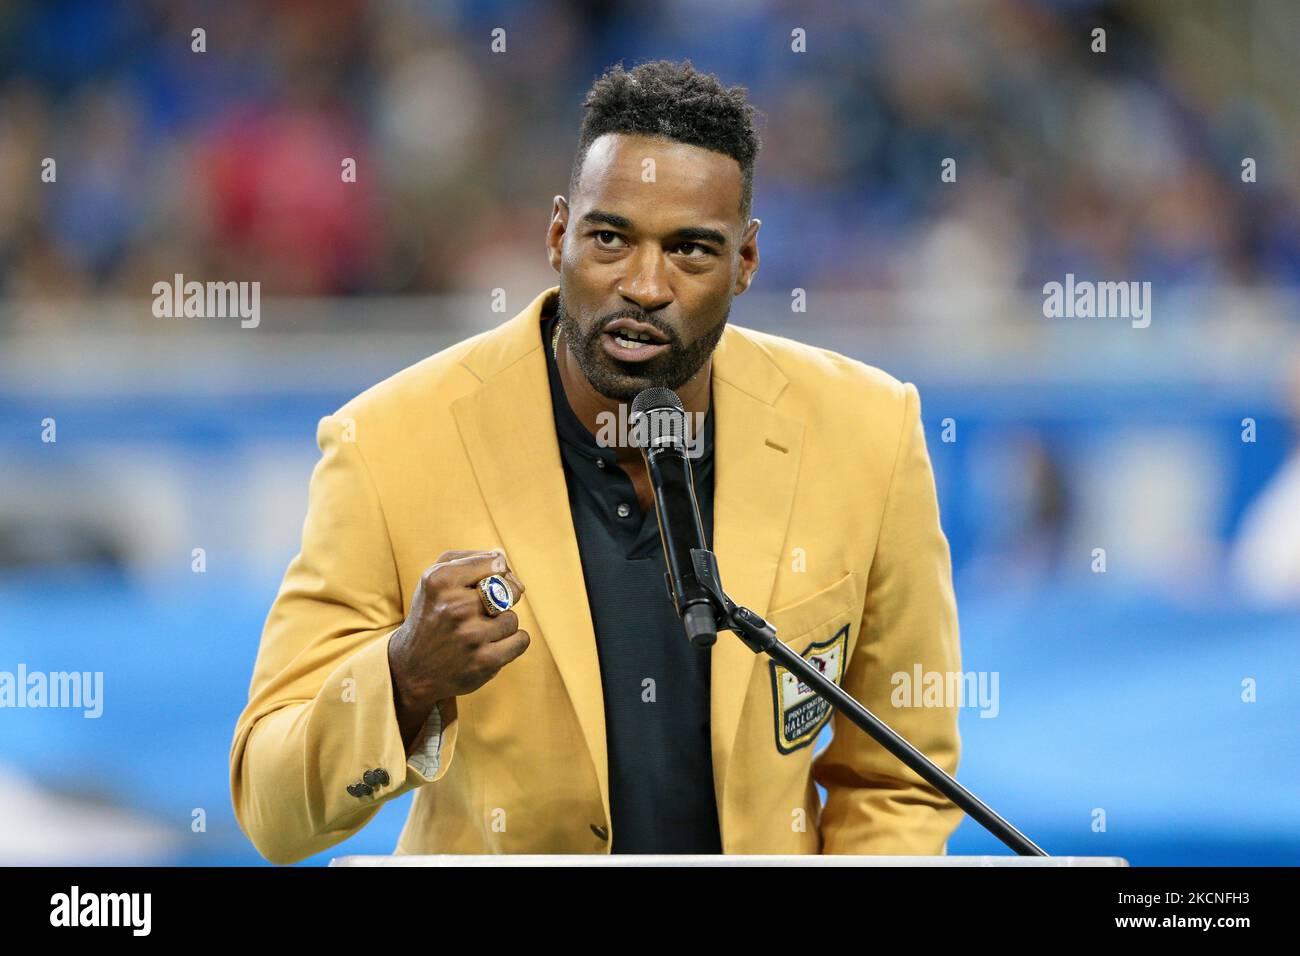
point(658, 428)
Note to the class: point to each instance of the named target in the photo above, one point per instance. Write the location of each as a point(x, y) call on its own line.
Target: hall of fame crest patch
point(800, 714)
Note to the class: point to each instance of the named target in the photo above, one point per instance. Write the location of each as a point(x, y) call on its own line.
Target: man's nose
point(647, 283)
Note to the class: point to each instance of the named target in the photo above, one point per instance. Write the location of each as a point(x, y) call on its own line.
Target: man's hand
point(448, 644)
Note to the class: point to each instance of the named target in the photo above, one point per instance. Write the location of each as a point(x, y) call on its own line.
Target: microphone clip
point(757, 634)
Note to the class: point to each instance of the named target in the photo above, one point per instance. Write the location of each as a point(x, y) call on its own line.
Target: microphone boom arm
point(760, 637)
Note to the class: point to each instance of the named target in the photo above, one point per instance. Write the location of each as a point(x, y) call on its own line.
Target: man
point(581, 720)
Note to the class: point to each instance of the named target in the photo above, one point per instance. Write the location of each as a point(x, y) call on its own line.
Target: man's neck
point(589, 405)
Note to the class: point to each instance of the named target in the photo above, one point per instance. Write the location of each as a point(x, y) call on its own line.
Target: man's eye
point(600, 236)
point(693, 245)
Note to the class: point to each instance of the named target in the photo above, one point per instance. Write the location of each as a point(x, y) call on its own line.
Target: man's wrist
point(412, 707)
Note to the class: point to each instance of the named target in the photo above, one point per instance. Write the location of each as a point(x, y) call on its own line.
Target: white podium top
point(631, 859)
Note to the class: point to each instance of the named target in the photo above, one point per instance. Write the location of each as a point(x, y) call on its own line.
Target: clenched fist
point(448, 644)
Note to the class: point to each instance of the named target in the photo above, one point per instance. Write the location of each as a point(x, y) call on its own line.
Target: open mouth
point(632, 342)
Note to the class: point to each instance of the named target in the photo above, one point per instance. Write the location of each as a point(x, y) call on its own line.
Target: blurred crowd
point(229, 162)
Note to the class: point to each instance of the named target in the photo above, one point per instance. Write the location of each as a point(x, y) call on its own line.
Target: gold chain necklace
point(555, 342)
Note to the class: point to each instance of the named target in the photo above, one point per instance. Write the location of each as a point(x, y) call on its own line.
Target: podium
point(632, 859)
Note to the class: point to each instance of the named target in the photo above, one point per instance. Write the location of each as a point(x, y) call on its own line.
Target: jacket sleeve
point(320, 707)
point(875, 804)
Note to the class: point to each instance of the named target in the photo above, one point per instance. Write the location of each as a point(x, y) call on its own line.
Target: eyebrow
point(685, 233)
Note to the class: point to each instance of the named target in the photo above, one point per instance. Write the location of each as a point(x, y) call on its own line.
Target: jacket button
point(375, 778)
point(361, 790)
point(354, 789)
point(600, 831)
point(382, 776)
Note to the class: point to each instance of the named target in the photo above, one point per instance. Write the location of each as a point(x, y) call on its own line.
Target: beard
point(623, 381)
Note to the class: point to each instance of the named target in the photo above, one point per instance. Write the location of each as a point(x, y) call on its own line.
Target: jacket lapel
point(756, 464)
point(508, 429)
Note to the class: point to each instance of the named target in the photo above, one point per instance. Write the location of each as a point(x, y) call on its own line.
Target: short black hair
point(673, 101)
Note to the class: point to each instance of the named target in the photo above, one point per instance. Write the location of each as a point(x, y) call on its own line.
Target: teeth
point(630, 335)
point(626, 342)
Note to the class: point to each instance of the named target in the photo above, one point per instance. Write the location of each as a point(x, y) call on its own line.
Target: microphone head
point(650, 399)
point(658, 419)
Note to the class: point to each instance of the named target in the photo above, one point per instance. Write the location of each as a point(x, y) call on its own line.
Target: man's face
point(651, 250)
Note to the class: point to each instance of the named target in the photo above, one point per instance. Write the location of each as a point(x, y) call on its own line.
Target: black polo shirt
point(655, 683)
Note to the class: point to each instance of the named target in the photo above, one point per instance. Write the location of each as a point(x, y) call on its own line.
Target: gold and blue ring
point(496, 595)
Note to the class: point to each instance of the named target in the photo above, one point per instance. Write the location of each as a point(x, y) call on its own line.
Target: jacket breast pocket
point(822, 630)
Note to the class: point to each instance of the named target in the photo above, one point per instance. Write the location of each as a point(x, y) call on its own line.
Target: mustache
point(668, 331)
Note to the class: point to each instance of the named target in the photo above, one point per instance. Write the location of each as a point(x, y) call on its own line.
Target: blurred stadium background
point(1119, 691)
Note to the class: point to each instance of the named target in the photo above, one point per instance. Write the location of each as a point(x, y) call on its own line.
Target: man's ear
point(555, 232)
point(748, 254)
